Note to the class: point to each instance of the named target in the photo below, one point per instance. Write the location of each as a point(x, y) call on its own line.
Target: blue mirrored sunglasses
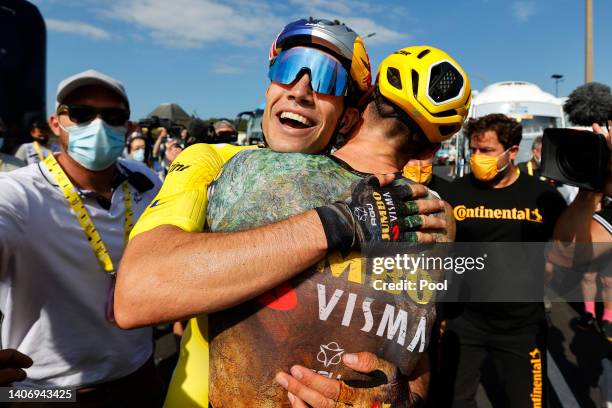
point(327, 75)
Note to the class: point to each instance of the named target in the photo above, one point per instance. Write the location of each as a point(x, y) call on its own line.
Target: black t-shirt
point(438, 184)
point(525, 211)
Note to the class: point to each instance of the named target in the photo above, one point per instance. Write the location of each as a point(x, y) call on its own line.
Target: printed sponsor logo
point(393, 323)
point(390, 207)
point(372, 214)
point(395, 233)
point(361, 213)
point(383, 216)
point(536, 371)
point(282, 297)
point(461, 212)
point(155, 203)
point(178, 167)
point(330, 354)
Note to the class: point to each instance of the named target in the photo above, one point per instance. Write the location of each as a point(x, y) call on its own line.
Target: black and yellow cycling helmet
point(429, 86)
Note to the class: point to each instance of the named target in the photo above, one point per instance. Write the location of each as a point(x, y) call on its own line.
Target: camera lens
point(575, 159)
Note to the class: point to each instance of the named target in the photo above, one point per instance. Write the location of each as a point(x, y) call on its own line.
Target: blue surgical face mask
point(139, 155)
point(95, 145)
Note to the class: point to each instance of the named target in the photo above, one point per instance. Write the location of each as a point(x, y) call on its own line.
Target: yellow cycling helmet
point(429, 86)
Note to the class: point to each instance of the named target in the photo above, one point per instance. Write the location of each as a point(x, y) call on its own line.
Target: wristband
point(339, 233)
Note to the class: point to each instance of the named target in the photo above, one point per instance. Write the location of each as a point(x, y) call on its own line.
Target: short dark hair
point(509, 131)
point(39, 124)
point(382, 109)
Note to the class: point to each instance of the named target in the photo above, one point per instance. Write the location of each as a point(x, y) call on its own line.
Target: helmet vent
point(415, 83)
point(445, 114)
point(446, 82)
point(393, 76)
point(423, 53)
point(446, 130)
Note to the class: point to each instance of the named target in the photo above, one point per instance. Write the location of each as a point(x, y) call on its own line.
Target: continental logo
point(461, 212)
point(536, 371)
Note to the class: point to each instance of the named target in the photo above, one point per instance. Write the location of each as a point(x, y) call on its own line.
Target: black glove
point(373, 214)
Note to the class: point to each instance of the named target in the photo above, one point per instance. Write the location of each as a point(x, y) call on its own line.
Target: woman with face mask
point(137, 147)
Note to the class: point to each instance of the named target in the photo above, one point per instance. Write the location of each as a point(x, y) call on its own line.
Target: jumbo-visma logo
point(461, 212)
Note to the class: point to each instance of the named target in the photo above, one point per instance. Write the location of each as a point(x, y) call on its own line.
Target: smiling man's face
point(297, 119)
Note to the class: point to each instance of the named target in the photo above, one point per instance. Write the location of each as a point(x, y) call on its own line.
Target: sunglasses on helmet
point(80, 114)
point(327, 75)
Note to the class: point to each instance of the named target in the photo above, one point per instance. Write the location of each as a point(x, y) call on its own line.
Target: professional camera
point(155, 122)
point(576, 157)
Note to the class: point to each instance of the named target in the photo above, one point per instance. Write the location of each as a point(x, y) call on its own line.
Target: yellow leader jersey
point(182, 202)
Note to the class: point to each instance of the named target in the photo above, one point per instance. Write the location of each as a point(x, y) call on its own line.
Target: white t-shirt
point(53, 290)
point(27, 152)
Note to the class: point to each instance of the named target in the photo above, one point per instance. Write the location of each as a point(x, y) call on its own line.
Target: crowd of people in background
point(88, 175)
point(157, 147)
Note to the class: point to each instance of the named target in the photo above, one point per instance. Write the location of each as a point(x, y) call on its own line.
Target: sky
point(211, 56)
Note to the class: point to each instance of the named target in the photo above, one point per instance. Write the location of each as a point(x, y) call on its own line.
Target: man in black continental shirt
point(496, 204)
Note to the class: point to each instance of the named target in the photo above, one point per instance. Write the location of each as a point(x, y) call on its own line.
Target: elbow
point(130, 306)
point(126, 311)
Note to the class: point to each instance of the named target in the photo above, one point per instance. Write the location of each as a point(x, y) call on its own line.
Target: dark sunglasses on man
point(80, 114)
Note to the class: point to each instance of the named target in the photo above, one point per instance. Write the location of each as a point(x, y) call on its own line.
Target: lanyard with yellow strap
point(86, 223)
point(38, 152)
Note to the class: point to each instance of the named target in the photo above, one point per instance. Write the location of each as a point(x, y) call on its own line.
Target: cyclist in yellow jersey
point(193, 265)
point(183, 198)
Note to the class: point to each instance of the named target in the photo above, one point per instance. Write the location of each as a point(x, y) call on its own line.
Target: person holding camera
point(165, 150)
point(588, 219)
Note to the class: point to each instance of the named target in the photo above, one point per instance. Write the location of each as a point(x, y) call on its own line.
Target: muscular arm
point(172, 271)
point(193, 273)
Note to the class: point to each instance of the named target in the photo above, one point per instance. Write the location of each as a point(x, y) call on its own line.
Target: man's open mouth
point(295, 120)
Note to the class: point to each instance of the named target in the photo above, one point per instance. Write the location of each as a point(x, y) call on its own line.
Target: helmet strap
point(396, 112)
